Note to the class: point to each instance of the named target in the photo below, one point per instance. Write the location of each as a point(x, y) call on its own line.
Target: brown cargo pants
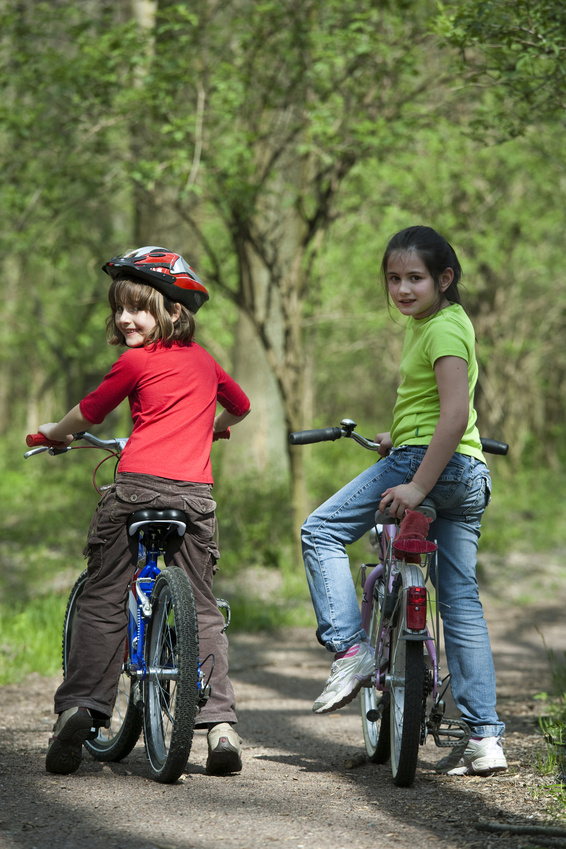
point(97, 650)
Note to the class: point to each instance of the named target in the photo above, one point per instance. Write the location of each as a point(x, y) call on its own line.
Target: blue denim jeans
point(460, 495)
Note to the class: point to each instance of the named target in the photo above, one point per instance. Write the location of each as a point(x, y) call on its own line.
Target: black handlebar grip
point(324, 434)
point(493, 446)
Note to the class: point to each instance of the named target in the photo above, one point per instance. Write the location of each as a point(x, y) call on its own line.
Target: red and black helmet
point(163, 270)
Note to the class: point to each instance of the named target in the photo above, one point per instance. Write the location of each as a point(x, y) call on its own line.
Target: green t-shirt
point(447, 333)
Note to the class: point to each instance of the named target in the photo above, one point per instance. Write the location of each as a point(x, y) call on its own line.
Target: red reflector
point(416, 608)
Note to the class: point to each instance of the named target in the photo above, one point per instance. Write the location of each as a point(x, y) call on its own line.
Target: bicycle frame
point(368, 580)
point(139, 609)
point(139, 604)
point(386, 538)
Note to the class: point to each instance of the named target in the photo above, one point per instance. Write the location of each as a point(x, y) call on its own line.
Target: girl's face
point(412, 288)
point(135, 324)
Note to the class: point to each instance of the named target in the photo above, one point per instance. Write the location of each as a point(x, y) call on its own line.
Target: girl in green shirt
point(433, 450)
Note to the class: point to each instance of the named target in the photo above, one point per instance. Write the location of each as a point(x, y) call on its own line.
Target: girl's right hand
point(385, 443)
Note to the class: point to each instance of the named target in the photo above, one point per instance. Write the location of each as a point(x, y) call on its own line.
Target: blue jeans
point(460, 495)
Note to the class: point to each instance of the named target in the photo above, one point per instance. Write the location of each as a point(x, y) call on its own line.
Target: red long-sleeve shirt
point(173, 394)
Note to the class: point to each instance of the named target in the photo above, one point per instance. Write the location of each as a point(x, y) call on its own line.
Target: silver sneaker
point(347, 676)
point(477, 757)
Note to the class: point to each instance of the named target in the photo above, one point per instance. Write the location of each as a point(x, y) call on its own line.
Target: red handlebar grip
point(35, 439)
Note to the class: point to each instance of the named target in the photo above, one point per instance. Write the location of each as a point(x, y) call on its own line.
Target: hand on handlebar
point(47, 431)
point(385, 443)
point(398, 499)
point(221, 434)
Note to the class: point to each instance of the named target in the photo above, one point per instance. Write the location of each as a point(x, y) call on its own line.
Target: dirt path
point(295, 790)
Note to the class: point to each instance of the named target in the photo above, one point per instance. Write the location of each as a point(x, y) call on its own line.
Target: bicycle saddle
point(426, 507)
point(169, 516)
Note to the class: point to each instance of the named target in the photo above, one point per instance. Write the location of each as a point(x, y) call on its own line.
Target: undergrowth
point(553, 727)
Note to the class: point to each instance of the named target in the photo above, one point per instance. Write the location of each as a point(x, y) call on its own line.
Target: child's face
point(135, 324)
point(411, 286)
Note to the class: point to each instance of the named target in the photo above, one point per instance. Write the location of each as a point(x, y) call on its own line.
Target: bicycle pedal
point(374, 714)
point(448, 732)
point(97, 724)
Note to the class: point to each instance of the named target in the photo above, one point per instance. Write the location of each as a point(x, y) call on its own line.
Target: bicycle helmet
point(163, 270)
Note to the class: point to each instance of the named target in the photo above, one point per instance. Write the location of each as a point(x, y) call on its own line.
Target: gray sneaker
point(477, 757)
point(348, 675)
point(224, 750)
point(70, 731)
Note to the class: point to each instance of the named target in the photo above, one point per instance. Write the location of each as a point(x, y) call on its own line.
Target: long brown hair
point(130, 293)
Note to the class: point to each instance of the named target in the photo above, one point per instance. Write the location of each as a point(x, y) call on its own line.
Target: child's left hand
point(406, 496)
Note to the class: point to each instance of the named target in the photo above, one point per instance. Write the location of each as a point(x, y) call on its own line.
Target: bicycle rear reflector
point(416, 608)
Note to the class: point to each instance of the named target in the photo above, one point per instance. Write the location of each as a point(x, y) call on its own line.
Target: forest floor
point(299, 788)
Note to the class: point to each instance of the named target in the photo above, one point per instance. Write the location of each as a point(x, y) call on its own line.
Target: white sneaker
point(348, 674)
point(477, 757)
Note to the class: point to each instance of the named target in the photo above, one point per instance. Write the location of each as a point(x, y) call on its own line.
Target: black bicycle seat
point(168, 516)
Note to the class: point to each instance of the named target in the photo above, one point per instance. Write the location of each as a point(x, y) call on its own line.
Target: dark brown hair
point(434, 251)
point(132, 294)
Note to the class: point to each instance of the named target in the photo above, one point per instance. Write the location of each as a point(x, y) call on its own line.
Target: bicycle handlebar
point(306, 437)
point(493, 446)
point(330, 434)
point(39, 443)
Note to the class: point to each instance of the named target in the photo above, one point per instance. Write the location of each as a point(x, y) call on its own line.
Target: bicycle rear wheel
point(117, 741)
point(376, 729)
point(407, 678)
point(171, 686)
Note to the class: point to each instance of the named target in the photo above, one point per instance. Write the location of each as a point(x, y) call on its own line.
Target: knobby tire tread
point(407, 667)
point(116, 743)
point(172, 636)
point(377, 735)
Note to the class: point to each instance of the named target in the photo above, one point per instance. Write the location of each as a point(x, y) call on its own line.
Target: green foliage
point(514, 514)
point(512, 53)
point(31, 637)
point(254, 520)
point(257, 135)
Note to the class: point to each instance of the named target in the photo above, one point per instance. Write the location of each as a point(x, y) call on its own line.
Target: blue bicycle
point(162, 685)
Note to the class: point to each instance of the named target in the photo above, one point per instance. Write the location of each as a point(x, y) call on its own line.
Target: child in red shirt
point(173, 387)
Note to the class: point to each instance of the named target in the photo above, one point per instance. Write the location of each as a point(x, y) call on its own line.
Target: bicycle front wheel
point(171, 685)
point(117, 741)
point(407, 679)
point(376, 711)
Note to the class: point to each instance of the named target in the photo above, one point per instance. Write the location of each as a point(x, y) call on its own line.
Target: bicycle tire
point(407, 680)
point(170, 699)
point(114, 743)
point(377, 734)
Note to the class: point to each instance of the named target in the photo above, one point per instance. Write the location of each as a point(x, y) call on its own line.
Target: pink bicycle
point(406, 700)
